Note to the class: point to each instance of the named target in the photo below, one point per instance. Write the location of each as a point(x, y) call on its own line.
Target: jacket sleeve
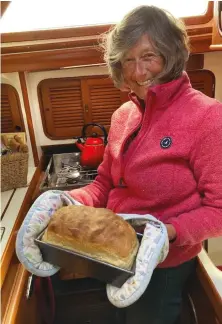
point(206, 162)
point(96, 193)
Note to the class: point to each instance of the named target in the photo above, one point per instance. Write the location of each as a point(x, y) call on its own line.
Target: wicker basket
point(14, 170)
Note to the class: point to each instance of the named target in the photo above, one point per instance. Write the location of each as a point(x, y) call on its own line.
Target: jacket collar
point(164, 93)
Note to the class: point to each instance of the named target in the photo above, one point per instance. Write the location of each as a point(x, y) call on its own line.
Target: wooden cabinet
point(204, 81)
point(61, 107)
point(11, 114)
point(67, 104)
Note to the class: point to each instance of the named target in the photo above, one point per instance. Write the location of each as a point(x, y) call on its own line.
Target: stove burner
point(74, 174)
point(64, 172)
point(71, 180)
point(67, 169)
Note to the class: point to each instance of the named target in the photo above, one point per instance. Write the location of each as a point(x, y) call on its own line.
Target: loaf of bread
point(95, 232)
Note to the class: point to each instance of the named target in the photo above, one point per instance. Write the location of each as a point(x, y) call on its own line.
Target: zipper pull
point(122, 183)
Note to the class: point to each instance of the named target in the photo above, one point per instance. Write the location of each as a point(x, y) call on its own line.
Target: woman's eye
point(148, 56)
point(128, 60)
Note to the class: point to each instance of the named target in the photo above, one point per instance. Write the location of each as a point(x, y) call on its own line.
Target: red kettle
point(93, 147)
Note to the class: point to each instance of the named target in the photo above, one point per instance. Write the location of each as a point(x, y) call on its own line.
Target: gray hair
point(166, 33)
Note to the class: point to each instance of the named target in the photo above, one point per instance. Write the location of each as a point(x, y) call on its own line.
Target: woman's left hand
point(171, 231)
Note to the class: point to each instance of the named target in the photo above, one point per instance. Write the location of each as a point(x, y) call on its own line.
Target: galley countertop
point(11, 201)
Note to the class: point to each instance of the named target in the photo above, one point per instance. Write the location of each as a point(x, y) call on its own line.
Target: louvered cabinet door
point(61, 107)
point(102, 99)
point(11, 115)
point(204, 81)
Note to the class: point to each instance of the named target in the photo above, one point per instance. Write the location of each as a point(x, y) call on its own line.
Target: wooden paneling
point(206, 300)
point(6, 114)
point(18, 310)
point(15, 309)
point(76, 56)
point(67, 104)
point(203, 81)
point(51, 45)
point(217, 27)
point(202, 306)
point(10, 247)
point(7, 287)
point(61, 107)
point(11, 114)
point(4, 6)
point(104, 99)
point(195, 62)
point(54, 33)
point(205, 18)
point(46, 60)
point(29, 117)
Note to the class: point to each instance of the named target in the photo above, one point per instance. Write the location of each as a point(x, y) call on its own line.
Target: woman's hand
point(171, 231)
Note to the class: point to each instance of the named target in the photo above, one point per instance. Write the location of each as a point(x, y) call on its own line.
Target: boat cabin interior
point(53, 82)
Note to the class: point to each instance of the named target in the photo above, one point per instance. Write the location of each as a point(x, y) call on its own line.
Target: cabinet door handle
point(86, 108)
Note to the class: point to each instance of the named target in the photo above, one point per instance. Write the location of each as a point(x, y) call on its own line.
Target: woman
point(164, 155)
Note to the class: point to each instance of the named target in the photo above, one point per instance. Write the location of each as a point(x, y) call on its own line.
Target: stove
point(64, 172)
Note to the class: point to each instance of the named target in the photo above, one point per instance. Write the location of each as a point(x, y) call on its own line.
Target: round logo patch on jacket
point(166, 142)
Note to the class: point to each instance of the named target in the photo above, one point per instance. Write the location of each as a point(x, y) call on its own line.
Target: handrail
point(211, 280)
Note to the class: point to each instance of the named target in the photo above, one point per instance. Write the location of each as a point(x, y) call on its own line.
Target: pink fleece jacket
point(172, 169)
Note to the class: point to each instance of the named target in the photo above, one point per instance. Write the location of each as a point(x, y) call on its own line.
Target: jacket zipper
point(121, 180)
point(147, 130)
point(123, 168)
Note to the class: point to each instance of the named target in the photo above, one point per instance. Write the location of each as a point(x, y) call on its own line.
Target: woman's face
point(140, 65)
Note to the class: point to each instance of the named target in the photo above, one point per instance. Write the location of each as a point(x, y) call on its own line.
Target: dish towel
point(153, 248)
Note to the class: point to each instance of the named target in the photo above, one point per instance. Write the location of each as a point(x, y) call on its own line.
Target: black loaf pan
point(85, 265)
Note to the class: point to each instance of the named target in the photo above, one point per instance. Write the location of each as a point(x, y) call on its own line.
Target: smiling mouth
point(144, 83)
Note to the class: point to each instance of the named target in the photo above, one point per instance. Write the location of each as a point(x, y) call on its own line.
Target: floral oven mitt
point(34, 223)
point(153, 248)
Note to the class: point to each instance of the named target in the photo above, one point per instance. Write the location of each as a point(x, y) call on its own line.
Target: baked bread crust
point(95, 232)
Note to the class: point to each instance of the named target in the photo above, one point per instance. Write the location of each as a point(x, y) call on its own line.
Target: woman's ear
point(124, 87)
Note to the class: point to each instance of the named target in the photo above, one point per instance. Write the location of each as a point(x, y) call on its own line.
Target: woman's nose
point(139, 69)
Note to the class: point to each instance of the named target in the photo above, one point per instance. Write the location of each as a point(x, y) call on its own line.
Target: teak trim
point(4, 6)
point(89, 30)
point(93, 40)
point(19, 110)
point(10, 247)
point(68, 57)
point(15, 296)
point(210, 289)
point(29, 117)
point(217, 26)
point(202, 19)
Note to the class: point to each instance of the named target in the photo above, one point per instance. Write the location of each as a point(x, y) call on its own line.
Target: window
point(34, 15)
